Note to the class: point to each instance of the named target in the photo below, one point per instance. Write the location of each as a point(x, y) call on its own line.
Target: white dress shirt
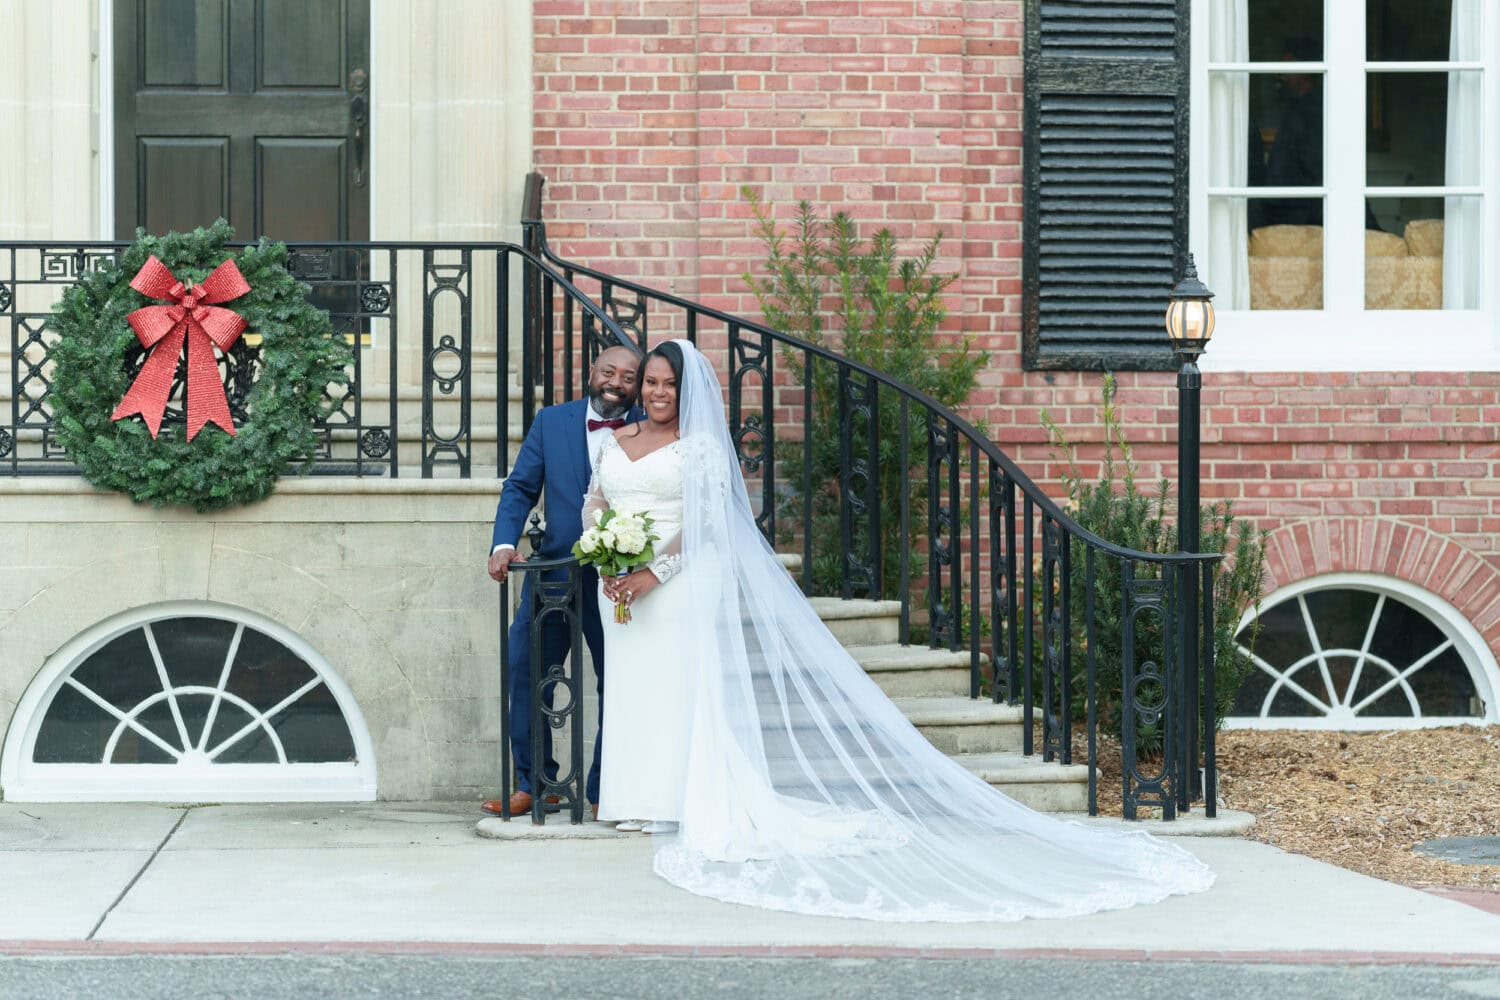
point(596, 445)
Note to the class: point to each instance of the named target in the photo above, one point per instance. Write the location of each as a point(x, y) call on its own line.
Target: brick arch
point(1390, 548)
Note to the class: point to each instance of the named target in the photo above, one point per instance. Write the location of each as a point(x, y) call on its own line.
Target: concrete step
point(915, 671)
point(964, 725)
point(1030, 781)
point(860, 622)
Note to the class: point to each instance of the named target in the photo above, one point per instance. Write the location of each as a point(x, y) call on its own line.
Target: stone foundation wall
point(385, 580)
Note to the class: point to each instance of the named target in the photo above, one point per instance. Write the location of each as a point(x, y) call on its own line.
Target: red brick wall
point(650, 114)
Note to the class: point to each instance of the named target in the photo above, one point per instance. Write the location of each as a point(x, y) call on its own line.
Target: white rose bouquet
point(617, 543)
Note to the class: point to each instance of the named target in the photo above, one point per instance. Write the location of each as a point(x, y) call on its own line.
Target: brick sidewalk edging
point(21, 949)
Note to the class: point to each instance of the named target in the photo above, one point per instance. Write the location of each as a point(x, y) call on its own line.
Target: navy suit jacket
point(554, 458)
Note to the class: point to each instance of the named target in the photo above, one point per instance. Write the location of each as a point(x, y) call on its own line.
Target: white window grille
point(188, 702)
point(1360, 651)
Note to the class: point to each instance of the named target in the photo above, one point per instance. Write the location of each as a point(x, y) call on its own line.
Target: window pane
point(1410, 117)
point(1408, 30)
point(1284, 260)
point(1434, 262)
point(1279, 30)
point(1286, 115)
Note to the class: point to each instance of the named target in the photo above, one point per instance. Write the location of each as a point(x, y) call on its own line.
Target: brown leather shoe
point(520, 804)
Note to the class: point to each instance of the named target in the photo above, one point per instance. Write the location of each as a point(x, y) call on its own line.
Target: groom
point(559, 454)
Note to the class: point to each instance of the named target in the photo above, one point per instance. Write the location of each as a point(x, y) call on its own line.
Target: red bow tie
point(595, 425)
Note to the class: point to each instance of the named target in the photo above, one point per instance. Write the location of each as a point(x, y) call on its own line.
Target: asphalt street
point(164, 977)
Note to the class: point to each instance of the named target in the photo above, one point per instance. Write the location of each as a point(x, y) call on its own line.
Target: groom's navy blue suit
point(555, 458)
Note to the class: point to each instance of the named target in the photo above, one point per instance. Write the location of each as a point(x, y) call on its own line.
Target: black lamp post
point(1190, 324)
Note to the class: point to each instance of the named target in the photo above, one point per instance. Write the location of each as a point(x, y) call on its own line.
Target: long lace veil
point(809, 791)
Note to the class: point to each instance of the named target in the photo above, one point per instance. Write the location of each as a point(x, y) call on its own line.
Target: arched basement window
point(1360, 651)
point(188, 702)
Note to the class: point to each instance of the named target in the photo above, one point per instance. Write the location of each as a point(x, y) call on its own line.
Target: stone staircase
point(931, 688)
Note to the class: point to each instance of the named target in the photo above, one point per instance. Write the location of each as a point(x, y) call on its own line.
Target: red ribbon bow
point(194, 317)
point(613, 423)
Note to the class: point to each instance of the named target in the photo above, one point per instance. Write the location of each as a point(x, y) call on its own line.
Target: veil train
point(809, 791)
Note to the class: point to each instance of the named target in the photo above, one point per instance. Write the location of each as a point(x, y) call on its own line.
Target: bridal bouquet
point(617, 543)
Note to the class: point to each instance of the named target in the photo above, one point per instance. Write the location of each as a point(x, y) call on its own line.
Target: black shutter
point(1106, 136)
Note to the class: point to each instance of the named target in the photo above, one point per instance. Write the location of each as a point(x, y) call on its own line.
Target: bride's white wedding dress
point(648, 711)
point(799, 785)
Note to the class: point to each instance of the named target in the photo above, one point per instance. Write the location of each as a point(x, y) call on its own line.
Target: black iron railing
point(555, 593)
point(981, 560)
point(460, 297)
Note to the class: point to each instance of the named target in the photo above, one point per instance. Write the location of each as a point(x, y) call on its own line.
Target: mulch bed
point(1362, 801)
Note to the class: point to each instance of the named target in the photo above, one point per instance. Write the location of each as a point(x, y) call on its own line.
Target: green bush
point(1116, 509)
point(825, 285)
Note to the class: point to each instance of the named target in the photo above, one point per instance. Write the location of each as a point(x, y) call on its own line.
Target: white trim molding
point(194, 776)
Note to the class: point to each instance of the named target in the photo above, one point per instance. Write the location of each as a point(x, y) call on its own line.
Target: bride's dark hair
point(672, 354)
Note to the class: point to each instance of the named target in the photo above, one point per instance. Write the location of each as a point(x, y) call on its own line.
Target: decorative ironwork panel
point(446, 357)
point(557, 699)
point(944, 603)
point(556, 594)
point(1146, 691)
point(630, 315)
point(754, 441)
point(859, 486)
point(1006, 667)
point(1056, 710)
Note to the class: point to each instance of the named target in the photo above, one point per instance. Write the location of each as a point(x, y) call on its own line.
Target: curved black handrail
point(1166, 695)
point(967, 429)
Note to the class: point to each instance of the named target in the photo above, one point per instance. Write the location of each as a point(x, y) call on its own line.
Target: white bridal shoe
point(659, 826)
point(630, 825)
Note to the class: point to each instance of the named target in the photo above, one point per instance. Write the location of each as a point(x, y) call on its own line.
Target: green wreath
point(299, 358)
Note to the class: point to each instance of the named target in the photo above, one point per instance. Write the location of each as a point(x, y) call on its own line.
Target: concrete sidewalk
point(417, 875)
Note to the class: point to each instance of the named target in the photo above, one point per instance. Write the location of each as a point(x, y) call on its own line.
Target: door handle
point(359, 121)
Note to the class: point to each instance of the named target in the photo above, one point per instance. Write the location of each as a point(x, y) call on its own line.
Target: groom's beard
point(605, 408)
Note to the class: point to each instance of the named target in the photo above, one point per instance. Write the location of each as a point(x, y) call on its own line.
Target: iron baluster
point(1000, 663)
point(1091, 645)
point(1065, 717)
point(846, 464)
point(1028, 600)
point(807, 465)
point(872, 568)
point(1210, 729)
point(974, 550)
point(903, 458)
point(954, 515)
point(502, 349)
point(1050, 640)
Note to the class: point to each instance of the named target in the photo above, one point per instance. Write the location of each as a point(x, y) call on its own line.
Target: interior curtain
point(1462, 238)
point(1229, 153)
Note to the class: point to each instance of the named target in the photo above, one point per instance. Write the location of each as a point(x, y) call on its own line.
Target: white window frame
point(1471, 647)
point(1344, 336)
point(25, 780)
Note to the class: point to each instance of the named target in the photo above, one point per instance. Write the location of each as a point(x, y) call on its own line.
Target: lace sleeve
point(594, 503)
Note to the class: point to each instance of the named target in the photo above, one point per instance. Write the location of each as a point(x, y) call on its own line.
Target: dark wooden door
point(255, 110)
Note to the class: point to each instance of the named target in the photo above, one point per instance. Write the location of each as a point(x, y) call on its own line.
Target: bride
point(736, 721)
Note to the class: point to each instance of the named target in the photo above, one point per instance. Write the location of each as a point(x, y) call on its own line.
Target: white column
point(451, 145)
